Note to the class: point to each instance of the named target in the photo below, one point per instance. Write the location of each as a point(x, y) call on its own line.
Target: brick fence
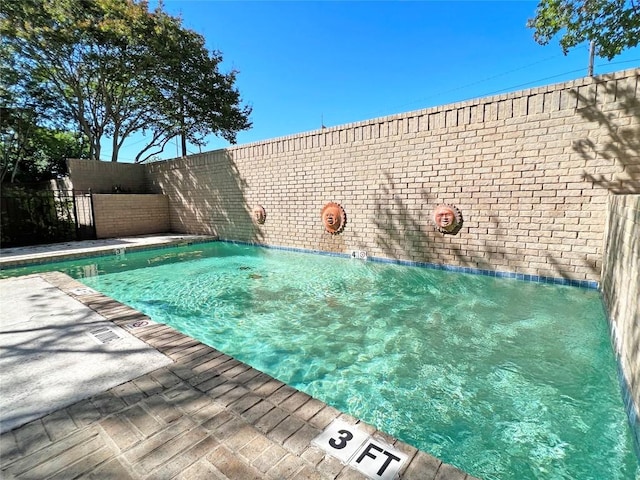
point(107, 177)
point(530, 171)
point(118, 215)
point(621, 293)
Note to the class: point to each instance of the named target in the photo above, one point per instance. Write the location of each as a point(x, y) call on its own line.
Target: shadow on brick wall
point(208, 196)
point(404, 233)
point(622, 147)
point(408, 232)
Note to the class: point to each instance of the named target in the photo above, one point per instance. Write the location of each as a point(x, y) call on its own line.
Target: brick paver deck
point(205, 416)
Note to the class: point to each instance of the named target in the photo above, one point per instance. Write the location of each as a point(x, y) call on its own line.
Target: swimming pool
point(502, 378)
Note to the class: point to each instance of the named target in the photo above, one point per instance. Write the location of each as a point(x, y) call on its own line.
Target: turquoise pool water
point(502, 378)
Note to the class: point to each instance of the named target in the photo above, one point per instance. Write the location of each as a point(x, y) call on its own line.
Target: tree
point(194, 98)
point(612, 25)
point(113, 68)
point(30, 153)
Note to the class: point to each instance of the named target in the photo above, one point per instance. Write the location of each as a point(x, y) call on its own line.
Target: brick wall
point(531, 172)
point(621, 291)
point(105, 177)
point(122, 215)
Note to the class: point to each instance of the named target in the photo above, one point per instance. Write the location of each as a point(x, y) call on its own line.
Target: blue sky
point(304, 63)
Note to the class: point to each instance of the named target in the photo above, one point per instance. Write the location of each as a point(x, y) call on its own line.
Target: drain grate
point(104, 335)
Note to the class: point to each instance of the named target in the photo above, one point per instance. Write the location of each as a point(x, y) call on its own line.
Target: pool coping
point(25, 256)
point(232, 419)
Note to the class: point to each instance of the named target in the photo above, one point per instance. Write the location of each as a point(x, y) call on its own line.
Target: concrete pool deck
point(199, 414)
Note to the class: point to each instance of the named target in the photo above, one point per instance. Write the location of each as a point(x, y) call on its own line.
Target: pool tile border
point(588, 284)
point(625, 387)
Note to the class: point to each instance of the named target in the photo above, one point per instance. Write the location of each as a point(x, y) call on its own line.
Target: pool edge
point(587, 284)
point(185, 240)
point(120, 246)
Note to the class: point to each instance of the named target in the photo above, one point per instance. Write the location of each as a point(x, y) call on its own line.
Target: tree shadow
point(406, 231)
point(54, 354)
point(402, 233)
point(611, 150)
point(620, 146)
point(207, 196)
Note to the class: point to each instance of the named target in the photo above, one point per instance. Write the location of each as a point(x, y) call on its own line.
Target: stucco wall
point(531, 172)
point(621, 292)
point(121, 215)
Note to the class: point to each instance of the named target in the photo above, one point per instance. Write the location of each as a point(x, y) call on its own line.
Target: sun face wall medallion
point(259, 214)
point(447, 218)
point(334, 218)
